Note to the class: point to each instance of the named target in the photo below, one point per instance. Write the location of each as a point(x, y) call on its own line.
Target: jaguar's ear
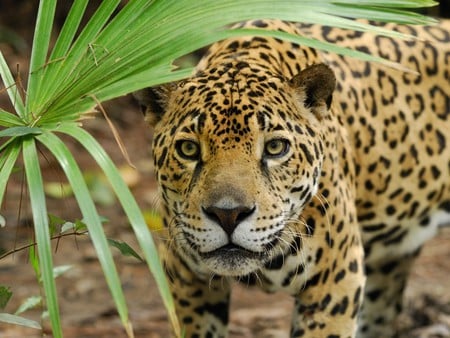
point(154, 101)
point(317, 83)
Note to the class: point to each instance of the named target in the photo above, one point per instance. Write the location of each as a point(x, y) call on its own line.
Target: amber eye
point(276, 147)
point(188, 149)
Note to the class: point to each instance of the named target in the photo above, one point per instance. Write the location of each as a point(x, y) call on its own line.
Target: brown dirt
point(87, 309)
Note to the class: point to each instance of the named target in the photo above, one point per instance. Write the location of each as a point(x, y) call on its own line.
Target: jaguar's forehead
point(239, 80)
point(233, 97)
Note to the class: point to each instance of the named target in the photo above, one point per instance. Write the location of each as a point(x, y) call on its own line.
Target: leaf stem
point(57, 237)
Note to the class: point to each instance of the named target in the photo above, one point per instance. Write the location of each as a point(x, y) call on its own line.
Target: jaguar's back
point(399, 126)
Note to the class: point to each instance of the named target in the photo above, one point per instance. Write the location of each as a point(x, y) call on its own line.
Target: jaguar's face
point(236, 164)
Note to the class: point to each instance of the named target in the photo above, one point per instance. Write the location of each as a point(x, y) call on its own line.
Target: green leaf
point(127, 16)
point(17, 320)
point(69, 29)
point(7, 161)
point(146, 78)
point(8, 119)
point(43, 30)
point(393, 3)
point(125, 249)
point(322, 45)
point(5, 296)
point(20, 131)
point(62, 45)
point(29, 303)
point(91, 219)
point(81, 226)
point(81, 51)
point(387, 15)
point(41, 229)
point(34, 261)
point(11, 87)
point(55, 221)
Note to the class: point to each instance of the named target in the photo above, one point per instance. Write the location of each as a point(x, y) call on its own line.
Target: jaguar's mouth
point(231, 251)
point(233, 260)
point(230, 258)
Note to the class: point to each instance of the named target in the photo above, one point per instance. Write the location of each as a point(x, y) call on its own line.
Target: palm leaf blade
point(7, 162)
point(91, 219)
point(41, 228)
point(44, 24)
point(11, 87)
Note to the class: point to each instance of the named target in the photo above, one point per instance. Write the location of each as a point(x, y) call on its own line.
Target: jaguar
point(302, 171)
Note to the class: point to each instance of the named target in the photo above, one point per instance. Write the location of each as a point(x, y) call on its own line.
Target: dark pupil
point(274, 146)
point(189, 148)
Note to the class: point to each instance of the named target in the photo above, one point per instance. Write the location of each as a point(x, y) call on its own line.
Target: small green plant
point(112, 56)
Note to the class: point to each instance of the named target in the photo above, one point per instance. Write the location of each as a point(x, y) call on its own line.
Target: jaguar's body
point(275, 172)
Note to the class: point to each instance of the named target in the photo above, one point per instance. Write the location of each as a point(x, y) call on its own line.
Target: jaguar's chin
point(233, 260)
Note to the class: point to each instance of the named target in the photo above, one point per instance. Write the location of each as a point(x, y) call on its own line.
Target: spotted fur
point(304, 172)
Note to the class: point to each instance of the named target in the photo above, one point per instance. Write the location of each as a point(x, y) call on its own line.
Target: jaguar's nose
point(230, 218)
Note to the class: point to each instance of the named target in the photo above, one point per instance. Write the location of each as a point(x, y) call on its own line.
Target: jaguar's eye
point(188, 149)
point(276, 147)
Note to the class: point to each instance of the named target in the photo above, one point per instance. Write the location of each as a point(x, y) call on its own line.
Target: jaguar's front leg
point(201, 304)
point(386, 280)
point(329, 302)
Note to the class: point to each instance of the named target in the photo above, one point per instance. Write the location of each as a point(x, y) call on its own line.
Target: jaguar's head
point(238, 154)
